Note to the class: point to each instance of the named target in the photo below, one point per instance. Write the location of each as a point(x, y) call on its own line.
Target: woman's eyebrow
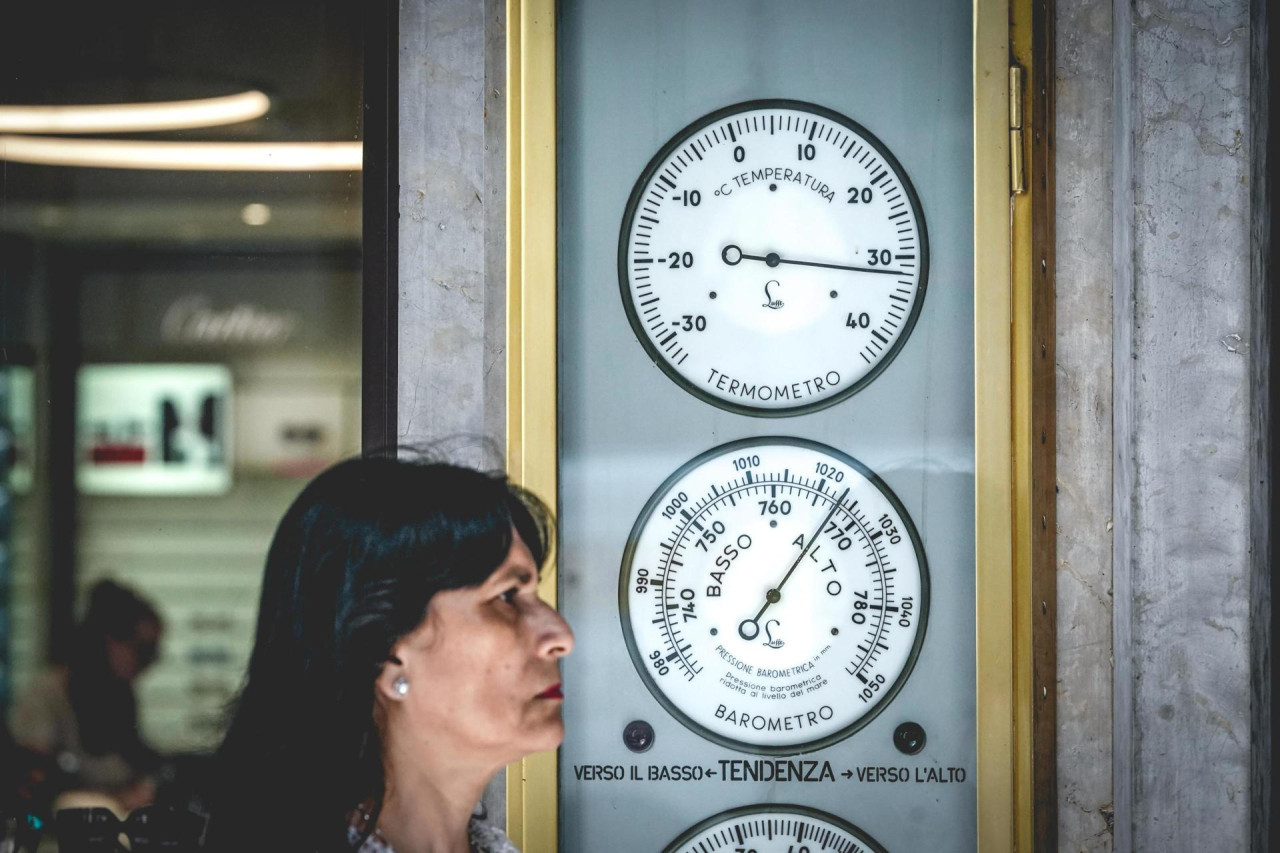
point(517, 573)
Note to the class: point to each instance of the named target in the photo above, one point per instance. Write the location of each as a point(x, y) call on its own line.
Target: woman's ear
point(392, 683)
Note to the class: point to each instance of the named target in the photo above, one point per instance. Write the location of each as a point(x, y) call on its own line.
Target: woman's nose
point(557, 637)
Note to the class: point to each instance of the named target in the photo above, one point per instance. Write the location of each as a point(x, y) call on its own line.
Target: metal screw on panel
point(909, 738)
point(638, 736)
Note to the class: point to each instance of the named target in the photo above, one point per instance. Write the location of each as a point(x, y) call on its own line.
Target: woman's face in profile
point(482, 668)
point(129, 658)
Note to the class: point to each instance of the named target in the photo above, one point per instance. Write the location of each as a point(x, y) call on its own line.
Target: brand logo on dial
point(769, 302)
point(774, 595)
point(801, 200)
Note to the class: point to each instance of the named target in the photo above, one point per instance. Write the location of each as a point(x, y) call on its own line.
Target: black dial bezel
point(624, 604)
point(633, 204)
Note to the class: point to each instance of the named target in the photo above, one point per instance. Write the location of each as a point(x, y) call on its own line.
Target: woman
point(84, 717)
point(402, 657)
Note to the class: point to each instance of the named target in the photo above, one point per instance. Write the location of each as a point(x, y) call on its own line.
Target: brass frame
point(1009, 311)
point(994, 447)
point(532, 446)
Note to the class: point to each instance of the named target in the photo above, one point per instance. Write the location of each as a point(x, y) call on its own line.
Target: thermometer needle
point(733, 256)
point(749, 629)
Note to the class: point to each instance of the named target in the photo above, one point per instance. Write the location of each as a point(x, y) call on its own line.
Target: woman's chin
point(549, 735)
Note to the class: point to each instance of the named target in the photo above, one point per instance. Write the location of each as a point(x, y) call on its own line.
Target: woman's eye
point(509, 595)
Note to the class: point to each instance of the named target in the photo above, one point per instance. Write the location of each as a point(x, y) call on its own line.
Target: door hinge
point(1017, 163)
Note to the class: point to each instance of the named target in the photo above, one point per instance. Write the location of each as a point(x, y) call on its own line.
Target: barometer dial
point(773, 257)
point(775, 829)
point(773, 595)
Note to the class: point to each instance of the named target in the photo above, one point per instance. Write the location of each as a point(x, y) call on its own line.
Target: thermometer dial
point(775, 829)
point(773, 257)
point(774, 594)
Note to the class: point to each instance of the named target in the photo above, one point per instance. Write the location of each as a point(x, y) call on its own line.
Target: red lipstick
point(552, 692)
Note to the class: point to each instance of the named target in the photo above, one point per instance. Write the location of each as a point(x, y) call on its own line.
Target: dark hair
point(115, 611)
point(105, 708)
point(354, 562)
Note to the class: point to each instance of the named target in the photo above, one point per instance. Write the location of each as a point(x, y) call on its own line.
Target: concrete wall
point(452, 213)
point(1188, 378)
point(1155, 427)
point(1154, 349)
point(1084, 288)
point(452, 228)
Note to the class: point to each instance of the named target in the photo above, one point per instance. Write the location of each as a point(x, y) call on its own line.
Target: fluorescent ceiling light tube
point(134, 118)
point(184, 156)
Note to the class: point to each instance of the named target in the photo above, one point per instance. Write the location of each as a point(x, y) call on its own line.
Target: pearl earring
point(401, 686)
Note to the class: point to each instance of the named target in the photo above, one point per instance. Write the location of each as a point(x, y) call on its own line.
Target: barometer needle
point(774, 595)
point(732, 256)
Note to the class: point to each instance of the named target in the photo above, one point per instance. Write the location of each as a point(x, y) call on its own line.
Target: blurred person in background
point(84, 716)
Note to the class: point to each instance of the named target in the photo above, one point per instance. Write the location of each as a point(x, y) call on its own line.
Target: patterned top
point(484, 837)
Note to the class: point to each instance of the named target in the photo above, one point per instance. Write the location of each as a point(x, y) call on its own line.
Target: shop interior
point(180, 328)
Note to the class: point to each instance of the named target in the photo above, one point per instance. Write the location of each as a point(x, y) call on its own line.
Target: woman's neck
point(428, 806)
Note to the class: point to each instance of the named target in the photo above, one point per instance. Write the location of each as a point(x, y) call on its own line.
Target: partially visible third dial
point(773, 257)
point(774, 829)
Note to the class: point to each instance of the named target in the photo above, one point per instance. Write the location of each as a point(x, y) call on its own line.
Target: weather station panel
point(767, 418)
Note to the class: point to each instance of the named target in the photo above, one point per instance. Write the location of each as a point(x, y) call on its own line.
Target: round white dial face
point(773, 258)
point(775, 829)
point(774, 595)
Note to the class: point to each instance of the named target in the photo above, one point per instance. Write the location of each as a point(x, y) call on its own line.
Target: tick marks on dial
point(806, 330)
